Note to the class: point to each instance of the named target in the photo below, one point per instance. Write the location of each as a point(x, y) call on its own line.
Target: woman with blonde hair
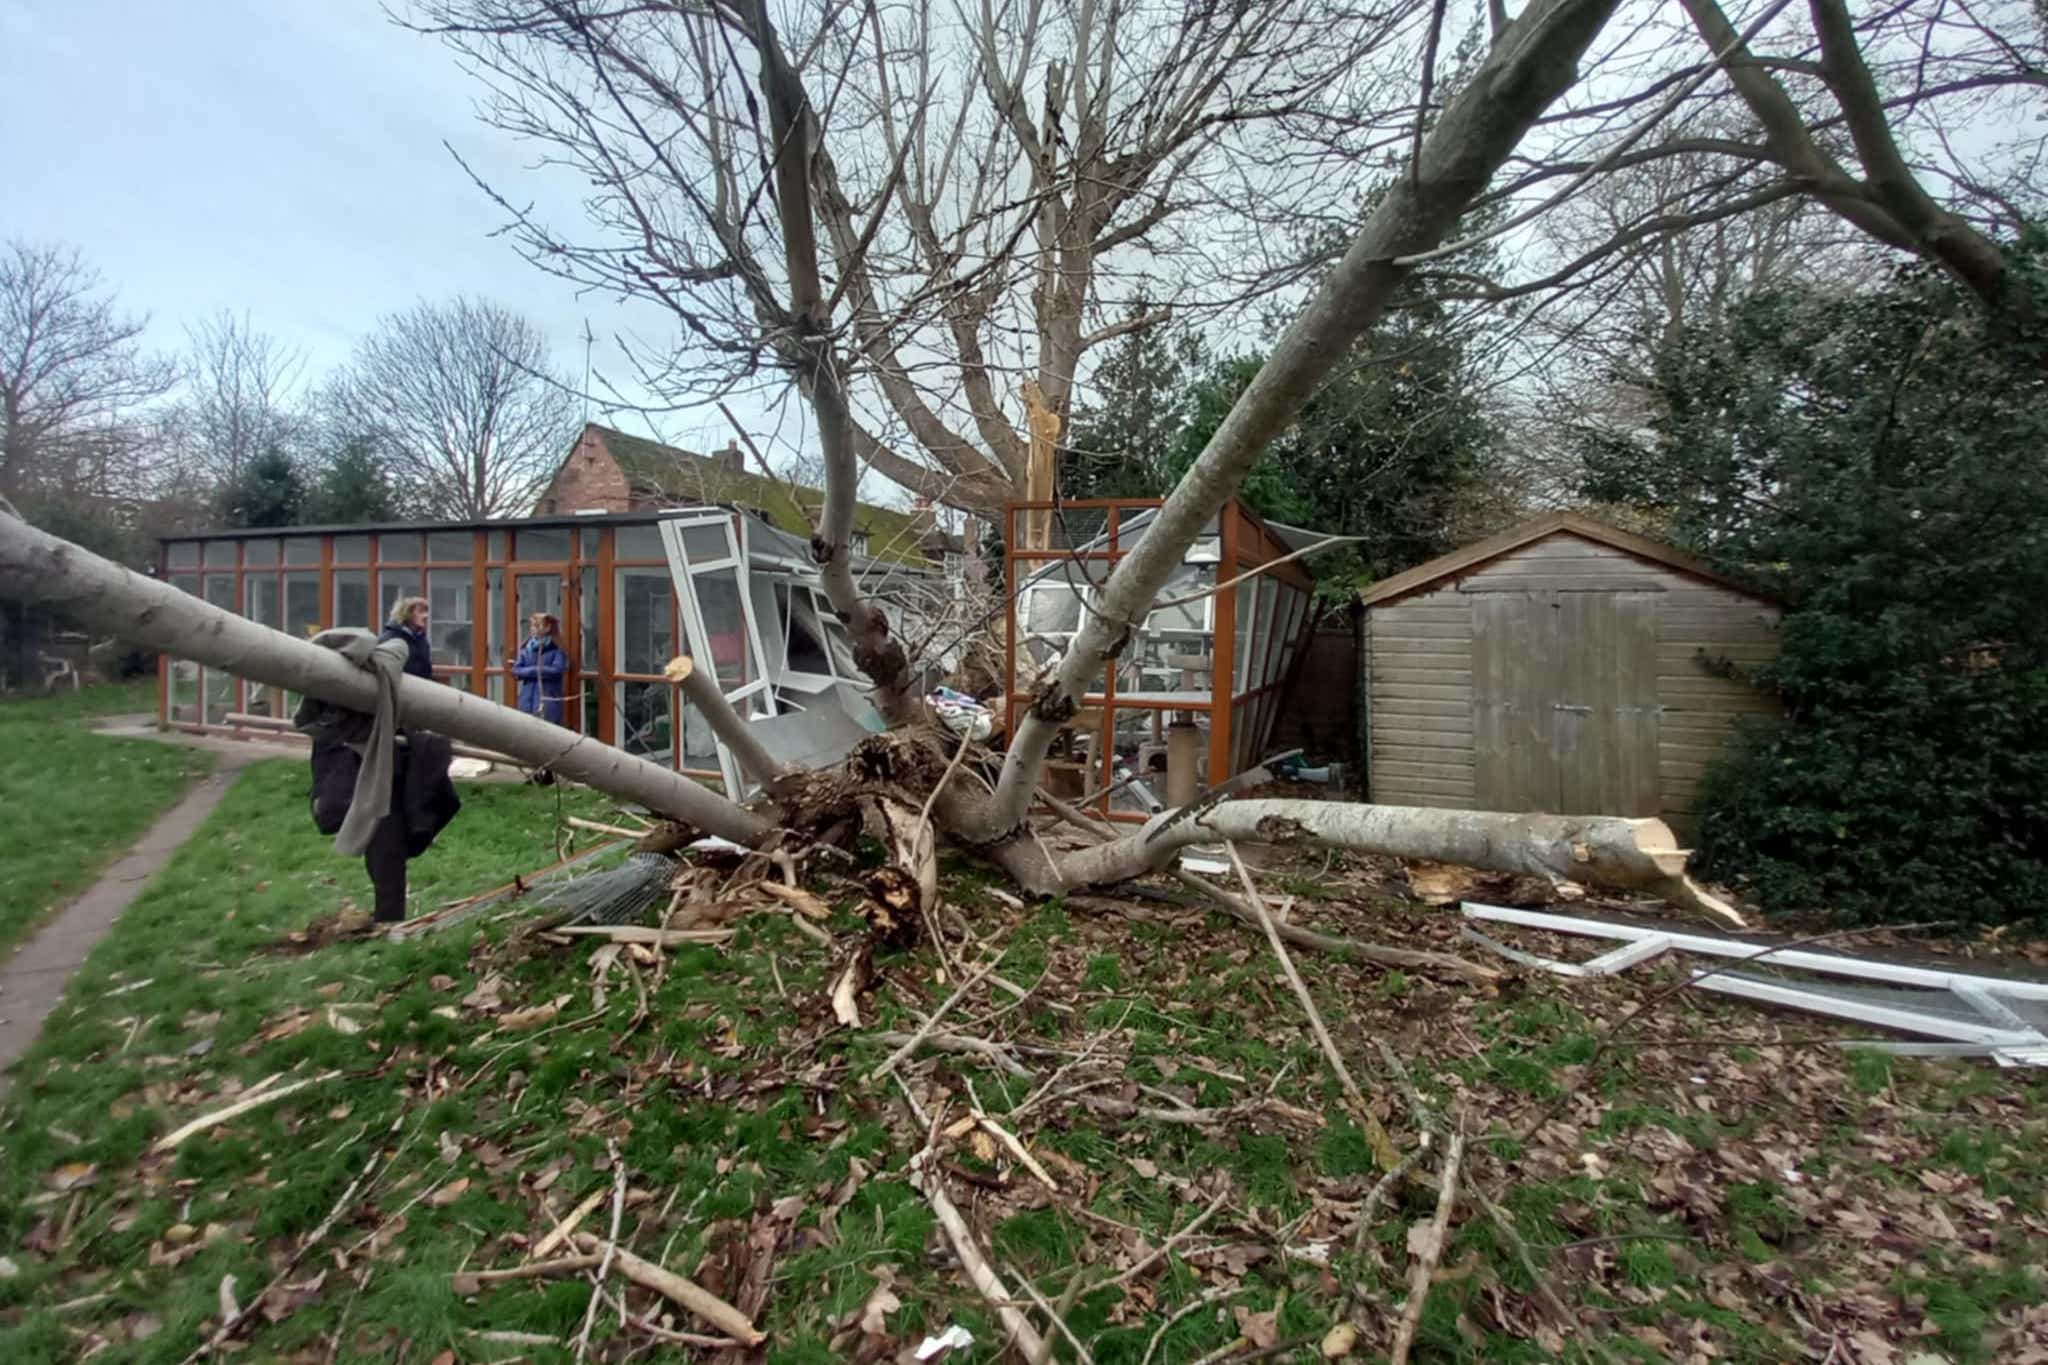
point(408, 622)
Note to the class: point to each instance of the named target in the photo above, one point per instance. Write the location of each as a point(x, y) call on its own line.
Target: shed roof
point(1471, 557)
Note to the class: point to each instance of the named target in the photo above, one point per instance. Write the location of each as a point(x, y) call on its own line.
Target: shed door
point(1564, 702)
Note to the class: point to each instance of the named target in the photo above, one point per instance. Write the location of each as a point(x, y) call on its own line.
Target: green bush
point(1880, 460)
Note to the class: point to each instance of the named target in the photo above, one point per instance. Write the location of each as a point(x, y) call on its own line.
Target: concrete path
point(32, 981)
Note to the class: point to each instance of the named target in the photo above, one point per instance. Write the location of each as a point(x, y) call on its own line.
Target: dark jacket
point(419, 657)
point(540, 668)
point(423, 799)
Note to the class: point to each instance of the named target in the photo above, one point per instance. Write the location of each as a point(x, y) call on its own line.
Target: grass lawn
point(1715, 1184)
point(75, 801)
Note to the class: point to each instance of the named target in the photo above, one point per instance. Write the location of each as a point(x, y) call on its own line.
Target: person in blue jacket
point(540, 667)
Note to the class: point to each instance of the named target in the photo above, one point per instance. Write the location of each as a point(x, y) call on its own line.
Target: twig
point(228, 1327)
point(470, 1281)
point(611, 1249)
point(681, 1291)
point(1166, 1250)
point(1330, 943)
point(599, 827)
point(1362, 1240)
point(541, 1249)
point(1192, 1306)
point(1054, 1315)
point(933, 1022)
point(1432, 1252)
point(238, 1108)
point(1512, 1235)
point(958, 1042)
point(1382, 1145)
point(1018, 1150)
point(986, 1282)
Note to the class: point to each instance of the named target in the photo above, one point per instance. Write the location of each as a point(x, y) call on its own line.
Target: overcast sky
point(282, 158)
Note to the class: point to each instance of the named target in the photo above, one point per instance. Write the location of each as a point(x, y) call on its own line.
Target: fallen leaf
point(340, 1022)
point(1339, 1341)
point(451, 1150)
point(449, 1193)
point(229, 1308)
point(1260, 1329)
point(75, 1175)
point(873, 1314)
point(441, 981)
point(528, 1018)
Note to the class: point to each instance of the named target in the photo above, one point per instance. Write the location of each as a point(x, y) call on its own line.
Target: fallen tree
point(904, 783)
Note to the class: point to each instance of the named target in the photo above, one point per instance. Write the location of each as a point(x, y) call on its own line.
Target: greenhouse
point(631, 591)
point(1193, 699)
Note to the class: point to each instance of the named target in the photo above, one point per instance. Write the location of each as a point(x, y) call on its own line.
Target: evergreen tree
point(1880, 460)
point(1119, 444)
point(1396, 448)
point(353, 489)
point(268, 492)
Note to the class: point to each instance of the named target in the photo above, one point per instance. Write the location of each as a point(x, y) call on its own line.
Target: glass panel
point(184, 690)
point(646, 718)
point(1241, 634)
point(267, 608)
point(495, 581)
point(220, 590)
point(586, 624)
point(635, 542)
point(220, 696)
point(351, 549)
point(1139, 765)
point(764, 606)
point(548, 544)
point(301, 605)
point(392, 585)
point(536, 592)
point(700, 747)
point(1263, 634)
point(399, 549)
point(499, 544)
point(461, 682)
point(588, 549)
point(183, 555)
point(455, 546)
point(259, 554)
point(185, 582)
point(718, 604)
point(352, 598)
point(1078, 528)
point(704, 544)
point(264, 606)
point(841, 647)
point(494, 688)
point(646, 608)
point(450, 623)
point(302, 550)
point(220, 554)
point(1240, 738)
point(1167, 667)
point(806, 637)
point(588, 708)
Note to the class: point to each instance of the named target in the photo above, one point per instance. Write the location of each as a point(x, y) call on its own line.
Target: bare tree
point(242, 390)
point(1004, 179)
point(72, 372)
point(463, 404)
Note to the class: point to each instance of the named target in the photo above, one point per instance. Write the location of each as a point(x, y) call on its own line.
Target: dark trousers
point(384, 859)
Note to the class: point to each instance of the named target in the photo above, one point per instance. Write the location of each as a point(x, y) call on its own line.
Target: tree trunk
point(38, 567)
point(1609, 851)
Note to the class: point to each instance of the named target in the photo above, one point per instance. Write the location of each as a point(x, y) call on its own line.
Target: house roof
point(1470, 557)
point(667, 471)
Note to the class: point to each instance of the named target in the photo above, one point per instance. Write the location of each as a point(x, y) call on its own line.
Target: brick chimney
point(732, 457)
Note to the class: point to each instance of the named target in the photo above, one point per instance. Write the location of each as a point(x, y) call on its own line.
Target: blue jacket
point(539, 668)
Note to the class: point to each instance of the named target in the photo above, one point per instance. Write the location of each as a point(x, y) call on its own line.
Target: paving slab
point(33, 980)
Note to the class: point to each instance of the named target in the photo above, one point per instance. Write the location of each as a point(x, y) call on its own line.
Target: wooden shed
point(1563, 666)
